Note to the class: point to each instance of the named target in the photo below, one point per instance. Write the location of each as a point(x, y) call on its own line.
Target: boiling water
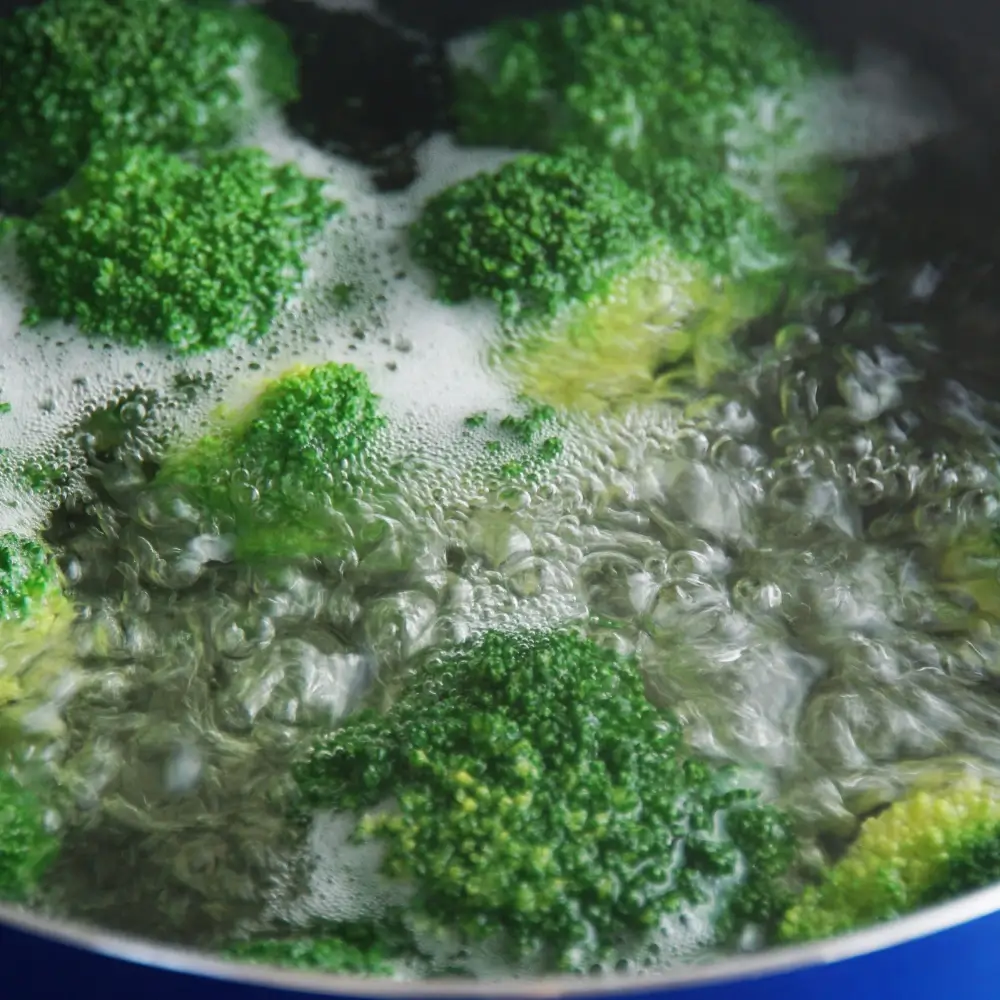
point(763, 547)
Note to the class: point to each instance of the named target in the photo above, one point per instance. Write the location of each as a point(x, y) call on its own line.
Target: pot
point(947, 951)
point(951, 210)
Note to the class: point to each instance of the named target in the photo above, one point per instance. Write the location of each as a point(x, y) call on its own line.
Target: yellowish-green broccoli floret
point(276, 471)
point(539, 797)
point(660, 330)
point(27, 846)
point(923, 849)
point(34, 611)
point(145, 246)
point(82, 73)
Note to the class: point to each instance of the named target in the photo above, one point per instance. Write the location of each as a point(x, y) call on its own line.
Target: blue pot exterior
point(959, 962)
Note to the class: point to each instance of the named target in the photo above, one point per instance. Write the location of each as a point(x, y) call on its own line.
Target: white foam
point(344, 881)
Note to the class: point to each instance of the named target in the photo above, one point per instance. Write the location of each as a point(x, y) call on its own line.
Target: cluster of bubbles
point(762, 552)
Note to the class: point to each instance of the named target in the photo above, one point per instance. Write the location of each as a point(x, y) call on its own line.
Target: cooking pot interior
point(770, 511)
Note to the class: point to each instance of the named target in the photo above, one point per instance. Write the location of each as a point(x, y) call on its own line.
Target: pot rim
point(740, 967)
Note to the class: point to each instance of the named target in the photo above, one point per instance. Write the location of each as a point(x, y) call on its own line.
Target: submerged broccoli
point(636, 80)
point(81, 73)
point(146, 246)
point(538, 233)
point(539, 797)
point(32, 607)
point(658, 332)
point(969, 565)
point(27, 847)
point(921, 850)
point(325, 954)
point(546, 231)
point(29, 579)
point(276, 469)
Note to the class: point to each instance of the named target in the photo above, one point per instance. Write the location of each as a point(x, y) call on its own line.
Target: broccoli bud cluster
point(272, 468)
point(79, 74)
point(146, 245)
point(923, 849)
point(541, 798)
point(641, 89)
point(27, 846)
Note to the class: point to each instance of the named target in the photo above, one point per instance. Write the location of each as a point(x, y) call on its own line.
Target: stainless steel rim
point(129, 949)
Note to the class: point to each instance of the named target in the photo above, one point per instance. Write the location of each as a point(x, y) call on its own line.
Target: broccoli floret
point(29, 578)
point(594, 272)
point(704, 218)
point(325, 954)
point(33, 609)
point(273, 468)
point(539, 796)
point(921, 850)
point(969, 565)
point(543, 232)
point(650, 90)
point(524, 445)
point(527, 428)
point(538, 233)
point(625, 77)
point(767, 840)
point(27, 847)
point(658, 333)
point(81, 73)
point(145, 246)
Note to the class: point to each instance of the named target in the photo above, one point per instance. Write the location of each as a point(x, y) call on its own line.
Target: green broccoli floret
point(538, 796)
point(27, 847)
point(145, 246)
point(652, 78)
point(519, 446)
point(767, 840)
point(650, 90)
point(538, 233)
point(922, 849)
point(525, 431)
point(529, 426)
point(600, 289)
point(704, 218)
point(32, 605)
point(325, 954)
point(274, 469)
point(81, 73)
point(659, 331)
point(29, 578)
